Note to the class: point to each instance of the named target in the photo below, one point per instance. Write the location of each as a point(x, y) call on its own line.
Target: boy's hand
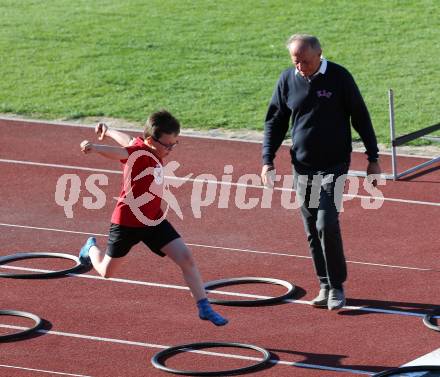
point(101, 130)
point(86, 146)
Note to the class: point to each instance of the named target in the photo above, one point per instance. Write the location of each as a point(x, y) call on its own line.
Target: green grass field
point(212, 63)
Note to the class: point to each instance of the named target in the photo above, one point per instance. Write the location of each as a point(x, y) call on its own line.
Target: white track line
point(69, 167)
point(305, 257)
point(222, 248)
point(82, 168)
point(432, 358)
point(218, 354)
point(41, 370)
point(216, 291)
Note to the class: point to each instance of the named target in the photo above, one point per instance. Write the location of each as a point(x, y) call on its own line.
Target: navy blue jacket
point(321, 111)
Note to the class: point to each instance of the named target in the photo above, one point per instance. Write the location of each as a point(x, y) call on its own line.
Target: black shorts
point(122, 238)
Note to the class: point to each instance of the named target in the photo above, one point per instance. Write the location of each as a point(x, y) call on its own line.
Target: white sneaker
point(321, 299)
point(336, 299)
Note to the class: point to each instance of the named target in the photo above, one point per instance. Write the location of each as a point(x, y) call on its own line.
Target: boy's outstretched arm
point(123, 139)
point(109, 151)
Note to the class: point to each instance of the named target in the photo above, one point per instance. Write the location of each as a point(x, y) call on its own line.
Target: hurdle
point(397, 141)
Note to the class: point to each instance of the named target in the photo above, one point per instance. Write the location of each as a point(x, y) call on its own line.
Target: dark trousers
point(321, 192)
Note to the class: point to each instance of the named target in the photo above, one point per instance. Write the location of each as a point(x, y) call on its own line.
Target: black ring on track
point(245, 280)
point(20, 256)
point(428, 320)
point(38, 323)
point(156, 360)
point(399, 371)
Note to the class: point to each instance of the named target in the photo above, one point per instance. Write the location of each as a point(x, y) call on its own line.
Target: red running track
point(109, 328)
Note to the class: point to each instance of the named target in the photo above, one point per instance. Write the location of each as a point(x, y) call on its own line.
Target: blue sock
point(207, 313)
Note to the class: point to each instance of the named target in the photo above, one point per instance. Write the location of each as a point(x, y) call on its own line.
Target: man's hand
point(101, 130)
point(373, 170)
point(268, 176)
point(86, 147)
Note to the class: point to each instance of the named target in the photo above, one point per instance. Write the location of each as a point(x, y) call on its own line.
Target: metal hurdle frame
point(396, 141)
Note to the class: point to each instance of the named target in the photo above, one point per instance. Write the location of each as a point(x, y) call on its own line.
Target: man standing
point(322, 101)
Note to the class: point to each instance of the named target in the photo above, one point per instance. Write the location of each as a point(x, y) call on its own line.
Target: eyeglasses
point(166, 146)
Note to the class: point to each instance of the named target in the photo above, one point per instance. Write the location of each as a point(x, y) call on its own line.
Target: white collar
point(321, 70)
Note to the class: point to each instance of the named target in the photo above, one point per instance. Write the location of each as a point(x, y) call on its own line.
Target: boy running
point(138, 215)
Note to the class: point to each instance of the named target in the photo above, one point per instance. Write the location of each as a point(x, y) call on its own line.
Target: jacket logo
point(323, 93)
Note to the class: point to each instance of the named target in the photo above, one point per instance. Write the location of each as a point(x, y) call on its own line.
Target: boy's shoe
point(321, 299)
point(84, 252)
point(207, 313)
point(336, 299)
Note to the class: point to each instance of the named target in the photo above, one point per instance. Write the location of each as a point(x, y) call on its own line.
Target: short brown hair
point(161, 122)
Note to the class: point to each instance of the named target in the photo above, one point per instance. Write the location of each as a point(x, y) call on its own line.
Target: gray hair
point(307, 39)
